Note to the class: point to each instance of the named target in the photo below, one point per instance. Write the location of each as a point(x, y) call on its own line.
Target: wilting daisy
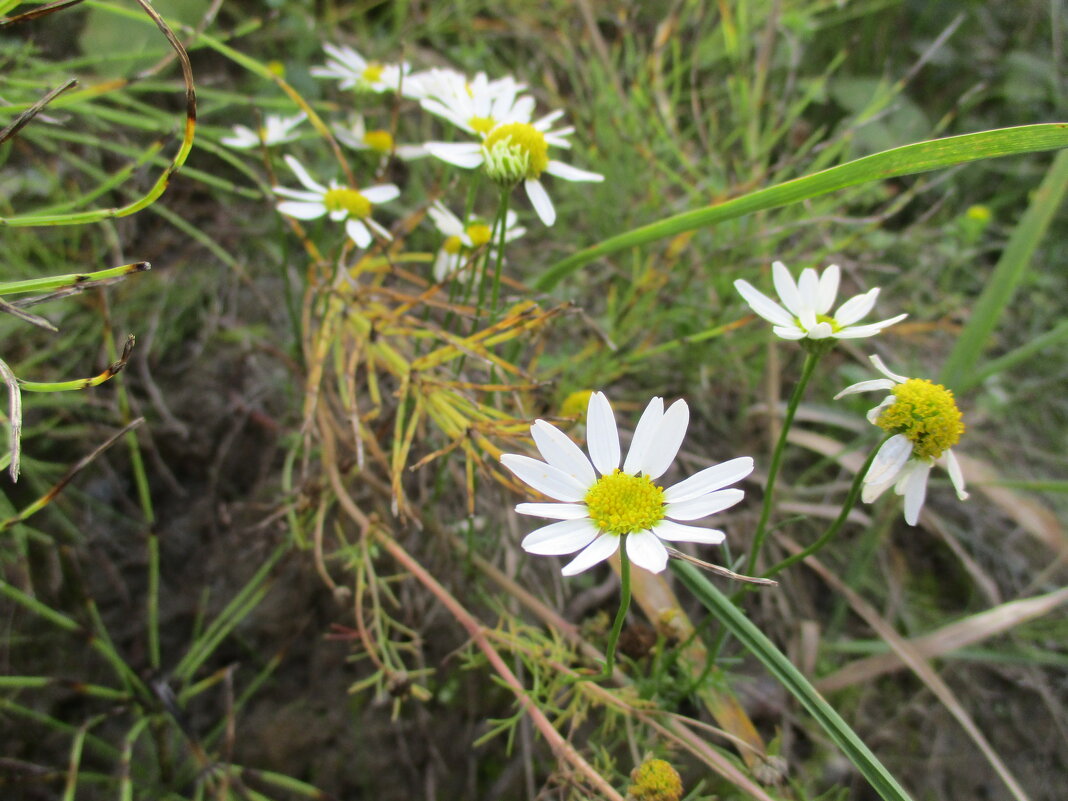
point(477, 105)
point(338, 202)
point(378, 141)
point(598, 503)
point(518, 151)
point(355, 72)
point(808, 304)
point(925, 423)
point(275, 130)
point(461, 240)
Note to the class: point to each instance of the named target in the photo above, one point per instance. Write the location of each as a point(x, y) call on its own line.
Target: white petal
point(567, 536)
point(704, 505)
point(867, 386)
point(891, 458)
point(856, 307)
point(358, 232)
point(299, 194)
point(569, 173)
point(873, 490)
point(545, 478)
point(913, 486)
point(676, 532)
point(643, 436)
point(956, 475)
point(763, 305)
point(558, 450)
point(870, 330)
point(876, 412)
point(554, 511)
point(645, 550)
point(378, 229)
point(820, 331)
point(710, 479)
point(794, 333)
point(381, 193)
point(540, 200)
point(882, 368)
point(828, 290)
point(787, 289)
point(808, 286)
point(597, 551)
point(460, 154)
point(302, 210)
point(303, 176)
point(602, 438)
point(667, 440)
point(807, 318)
point(410, 152)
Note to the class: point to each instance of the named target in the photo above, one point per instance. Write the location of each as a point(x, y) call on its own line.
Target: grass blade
point(906, 160)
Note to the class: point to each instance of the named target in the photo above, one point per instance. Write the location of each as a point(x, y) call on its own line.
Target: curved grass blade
point(918, 157)
point(773, 659)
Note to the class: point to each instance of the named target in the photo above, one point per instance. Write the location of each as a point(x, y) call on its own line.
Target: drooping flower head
point(925, 423)
point(599, 503)
point(518, 152)
point(462, 240)
point(274, 131)
point(353, 71)
point(339, 202)
point(808, 304)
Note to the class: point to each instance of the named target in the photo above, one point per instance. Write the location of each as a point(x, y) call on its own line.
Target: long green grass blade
point(959, 371)
point(779, 666)
point(907, 160)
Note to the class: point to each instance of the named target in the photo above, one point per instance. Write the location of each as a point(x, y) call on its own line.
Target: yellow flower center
point(927, 414)
point(979, 213)
point(622, 504)
point(479, 234)
point(822, 318)
point(482, 125)
point(379, 141)
point(452, 245)
point(345, 199)
point(655, 780)
point(372, 73)
point(276, 68)
point(515, 151)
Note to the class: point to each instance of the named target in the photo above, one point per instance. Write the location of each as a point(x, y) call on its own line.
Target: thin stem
point(621, 615)
point(811, 359)
point(502, 223)
point(850, 502)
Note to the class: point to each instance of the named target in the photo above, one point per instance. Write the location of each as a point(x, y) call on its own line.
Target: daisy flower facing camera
point(336, 201)
point(353, 71)
point(808, 304)
point(924, 422)
point(599, 504)
point(274, 131)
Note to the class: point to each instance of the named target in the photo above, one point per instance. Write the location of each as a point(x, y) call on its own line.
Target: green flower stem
point(621, 615)
point(850, 502)
point(502, 221)
point(811, 359)
point(734, 621)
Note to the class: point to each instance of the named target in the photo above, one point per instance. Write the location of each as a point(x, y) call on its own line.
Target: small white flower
point(275, 131)
point(477, 105)
point(461, 240)
point(379, 141)
point(518, 151)
point(336, 201)
point(594, 512)
point(808, 303)
point(925, 422)
point(355, 72)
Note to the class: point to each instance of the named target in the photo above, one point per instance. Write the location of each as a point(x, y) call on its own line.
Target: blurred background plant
point(301, 577)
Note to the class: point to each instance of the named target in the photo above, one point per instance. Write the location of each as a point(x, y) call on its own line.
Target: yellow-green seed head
point(927, 414)
point(622, 504)
point(379, 141)
point(514, 152)
point(345, 199)
point(655, 780)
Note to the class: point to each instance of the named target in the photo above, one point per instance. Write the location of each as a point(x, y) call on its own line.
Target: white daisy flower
point(925, 423)
point(336, 201)
point(595, 511)
point(355, 72)
point(518, 151)
point(461, 240)
point(274, 131)
point(808, 303)
point(477, 105)
point(379, 141)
